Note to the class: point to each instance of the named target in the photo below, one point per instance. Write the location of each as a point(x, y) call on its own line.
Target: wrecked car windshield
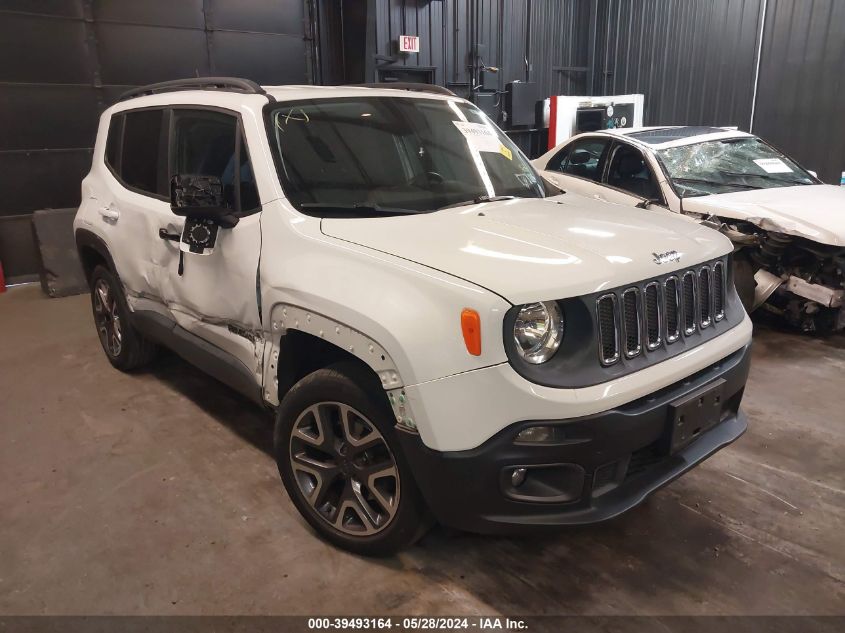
point(391, 155)
point(733, 164)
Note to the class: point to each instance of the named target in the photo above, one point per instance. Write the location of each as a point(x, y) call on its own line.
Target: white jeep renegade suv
point(382, 267)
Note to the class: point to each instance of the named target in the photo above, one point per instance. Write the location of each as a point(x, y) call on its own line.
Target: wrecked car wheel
point(341, 465)
point(124, 346)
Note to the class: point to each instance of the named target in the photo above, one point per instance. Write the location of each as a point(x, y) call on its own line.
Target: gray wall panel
point(694, 61)
point(29, 45)
point(801, 89)
point(63, 61)
point(147, 54)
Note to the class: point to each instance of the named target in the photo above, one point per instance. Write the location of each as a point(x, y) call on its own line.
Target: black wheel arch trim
point(88, 239)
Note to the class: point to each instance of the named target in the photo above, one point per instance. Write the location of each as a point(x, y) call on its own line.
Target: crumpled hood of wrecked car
point(533, 250)
point(816, 212)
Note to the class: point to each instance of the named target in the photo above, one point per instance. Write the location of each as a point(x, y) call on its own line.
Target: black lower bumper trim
point(606, 463)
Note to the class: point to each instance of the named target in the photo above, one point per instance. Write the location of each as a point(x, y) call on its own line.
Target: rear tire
point(125, 347)
point(342, 466)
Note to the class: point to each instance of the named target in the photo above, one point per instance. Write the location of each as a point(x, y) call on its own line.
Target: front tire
point(341, 464)
point(125, 347)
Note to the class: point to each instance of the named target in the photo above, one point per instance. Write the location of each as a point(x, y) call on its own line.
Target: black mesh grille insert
point(652, 319)
point(718, 291)
point(652, 315)
point(704, 295)
point(672, 325)
point(632, 322)
point(689, 302)
point(607, 329)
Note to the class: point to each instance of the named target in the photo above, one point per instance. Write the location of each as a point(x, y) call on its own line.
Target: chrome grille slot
point(718, 291)
point(640, 322)
point(673, 302)
point(631, 322)
point(688, 290)
point(653, 320)
point(608, 337)
point(704, 296)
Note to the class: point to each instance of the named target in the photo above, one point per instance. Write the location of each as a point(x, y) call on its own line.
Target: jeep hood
point(816, 212)
point(533, 250)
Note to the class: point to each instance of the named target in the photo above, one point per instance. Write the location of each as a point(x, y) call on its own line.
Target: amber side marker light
point(471, 327)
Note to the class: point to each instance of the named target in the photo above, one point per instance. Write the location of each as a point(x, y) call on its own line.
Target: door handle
point(109, 213)
point(173, 237)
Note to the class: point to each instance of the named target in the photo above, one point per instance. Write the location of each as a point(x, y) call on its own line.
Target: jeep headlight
point(538, 331)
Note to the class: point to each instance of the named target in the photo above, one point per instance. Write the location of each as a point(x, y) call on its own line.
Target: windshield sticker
point(479, 136)
point(773, 166)
point(504, 151)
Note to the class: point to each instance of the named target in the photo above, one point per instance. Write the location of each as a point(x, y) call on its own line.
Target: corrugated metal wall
point(801, 96)
point(694, 61)
point(63, 61)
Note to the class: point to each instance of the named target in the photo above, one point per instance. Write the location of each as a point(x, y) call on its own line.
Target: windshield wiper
point(764, 176)
point(718, 184)
point(353, 208)
point(477, 200)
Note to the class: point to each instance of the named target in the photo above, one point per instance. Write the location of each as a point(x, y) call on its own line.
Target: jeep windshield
point(370, 156)
point(733, 164)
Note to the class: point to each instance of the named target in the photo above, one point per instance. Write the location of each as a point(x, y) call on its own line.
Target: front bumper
point(607, 463)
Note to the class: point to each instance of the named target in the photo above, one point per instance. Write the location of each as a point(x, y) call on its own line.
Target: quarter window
point(113, 142)
point(139, 164)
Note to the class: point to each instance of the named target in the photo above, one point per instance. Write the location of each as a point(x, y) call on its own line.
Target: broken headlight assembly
point(538, 331)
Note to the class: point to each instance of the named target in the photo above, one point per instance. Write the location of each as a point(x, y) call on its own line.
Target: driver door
point(214, 295)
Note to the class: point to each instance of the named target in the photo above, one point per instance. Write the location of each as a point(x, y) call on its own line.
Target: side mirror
point(200, 198)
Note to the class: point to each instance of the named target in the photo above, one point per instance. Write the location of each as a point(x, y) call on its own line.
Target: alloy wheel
point(344, 468)
point(107, 318)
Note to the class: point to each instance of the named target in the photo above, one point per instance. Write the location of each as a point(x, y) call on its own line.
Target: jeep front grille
point(653, 314)
point(644, 317)
point(631, 321)
point(608, 335)
point(718, 291)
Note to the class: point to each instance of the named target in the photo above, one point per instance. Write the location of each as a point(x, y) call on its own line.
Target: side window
point(557, 161)
point(113, 142)
point(209, 143)
point(630, 172)
point(585, 158)
point(139, 158)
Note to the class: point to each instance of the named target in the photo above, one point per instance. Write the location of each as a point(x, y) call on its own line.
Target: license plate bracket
point(695, 413)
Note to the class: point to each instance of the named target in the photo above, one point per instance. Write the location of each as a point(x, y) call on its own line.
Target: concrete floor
point(155, 494)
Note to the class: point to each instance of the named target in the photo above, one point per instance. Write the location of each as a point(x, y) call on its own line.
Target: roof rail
point(227, 84)
point(405, 85)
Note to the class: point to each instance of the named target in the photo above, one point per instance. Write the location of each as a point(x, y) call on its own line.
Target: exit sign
point(409, 44)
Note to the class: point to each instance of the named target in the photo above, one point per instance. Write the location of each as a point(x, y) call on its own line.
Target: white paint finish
point(461, 412)
point(537, 250)
point(395, 286)
point(219, 289)
point(410, 310)
point(285, 318)
point(816, 212)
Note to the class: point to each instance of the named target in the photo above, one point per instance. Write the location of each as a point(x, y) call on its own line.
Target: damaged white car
point(383, 270)
point(787, 226)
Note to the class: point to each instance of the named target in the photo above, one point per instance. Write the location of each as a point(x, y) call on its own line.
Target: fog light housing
point(517, 477)
point(541, 434)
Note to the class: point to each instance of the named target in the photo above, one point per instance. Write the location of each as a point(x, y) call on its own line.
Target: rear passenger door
point(134, 202)
point(579, 165)
point(215, 297)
